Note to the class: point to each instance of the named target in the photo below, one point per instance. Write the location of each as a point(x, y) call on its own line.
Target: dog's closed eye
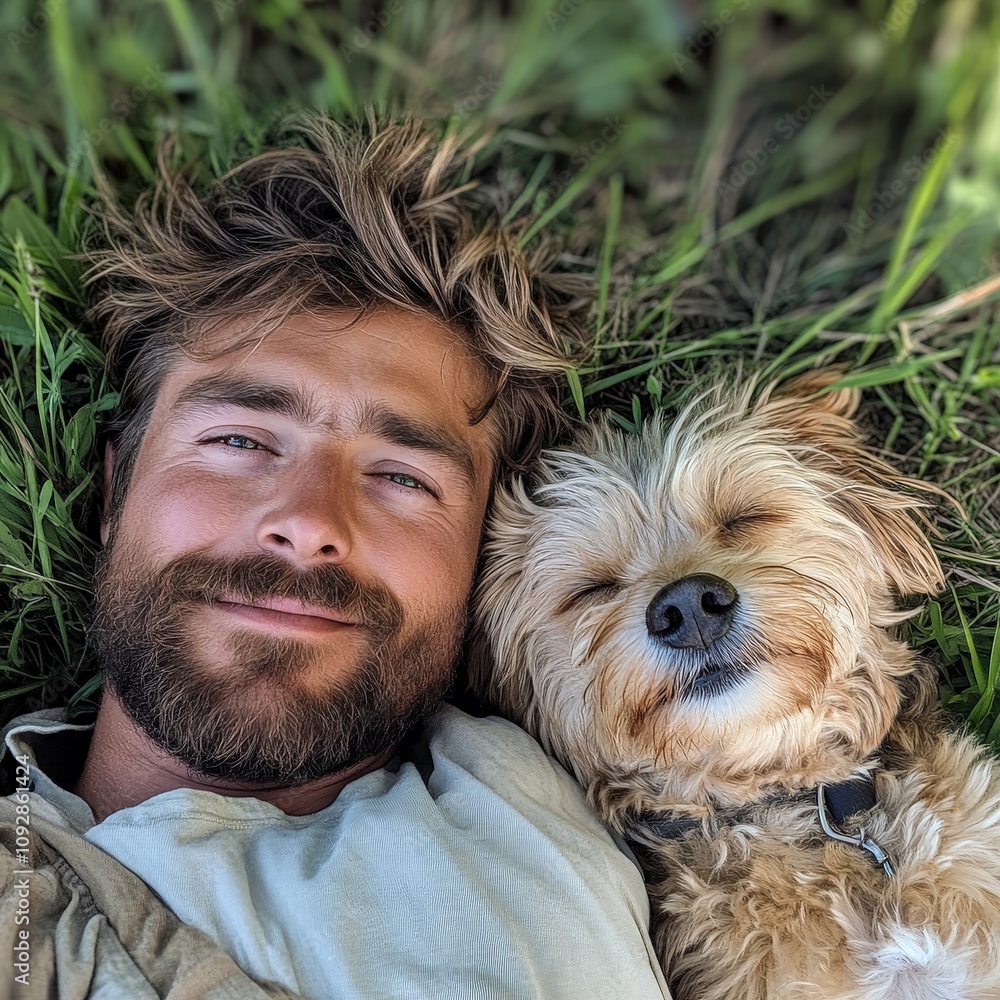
point(591, 592)
point(752, 517)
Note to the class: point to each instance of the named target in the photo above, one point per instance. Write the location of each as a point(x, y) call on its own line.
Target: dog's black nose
point(691, 613)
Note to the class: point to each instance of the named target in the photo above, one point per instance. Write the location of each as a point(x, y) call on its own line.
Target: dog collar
point(835, 804)
point(841, 801)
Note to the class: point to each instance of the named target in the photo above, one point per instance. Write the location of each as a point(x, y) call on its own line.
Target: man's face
point(282, 593)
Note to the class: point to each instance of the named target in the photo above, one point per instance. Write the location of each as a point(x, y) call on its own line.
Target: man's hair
point(337, 216)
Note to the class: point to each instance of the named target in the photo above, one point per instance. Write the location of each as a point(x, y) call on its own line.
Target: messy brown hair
point(353, 216)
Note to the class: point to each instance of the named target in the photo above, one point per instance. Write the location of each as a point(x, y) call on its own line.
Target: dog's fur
point(778, 496)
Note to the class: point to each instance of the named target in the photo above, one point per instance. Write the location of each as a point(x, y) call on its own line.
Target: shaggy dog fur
point(778, 497)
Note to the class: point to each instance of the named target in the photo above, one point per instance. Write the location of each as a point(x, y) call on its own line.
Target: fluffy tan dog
point(698, 622)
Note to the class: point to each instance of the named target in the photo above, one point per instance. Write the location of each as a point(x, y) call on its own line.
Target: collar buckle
point(860, 839)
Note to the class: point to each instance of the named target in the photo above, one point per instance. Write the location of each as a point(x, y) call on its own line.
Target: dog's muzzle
point(693, 612)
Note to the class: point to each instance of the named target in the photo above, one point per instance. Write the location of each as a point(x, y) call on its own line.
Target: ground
point(777, 183)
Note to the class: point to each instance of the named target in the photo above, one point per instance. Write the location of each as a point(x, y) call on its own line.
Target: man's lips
point(287, 613)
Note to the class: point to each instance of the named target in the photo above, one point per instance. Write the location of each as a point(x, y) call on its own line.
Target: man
point(325, 364)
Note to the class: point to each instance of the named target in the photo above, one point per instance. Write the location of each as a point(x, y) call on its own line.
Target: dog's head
point(701, 610)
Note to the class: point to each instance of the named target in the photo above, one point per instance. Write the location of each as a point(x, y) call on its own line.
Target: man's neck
point(124, 767)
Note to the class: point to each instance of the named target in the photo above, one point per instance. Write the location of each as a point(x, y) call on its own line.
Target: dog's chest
point(786, 913)
point(775, 914)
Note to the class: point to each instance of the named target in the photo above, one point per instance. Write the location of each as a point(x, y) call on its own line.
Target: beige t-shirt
point(487, 877)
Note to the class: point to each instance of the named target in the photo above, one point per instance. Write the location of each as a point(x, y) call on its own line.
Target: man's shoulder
point(488, 743)
point(496, 782)
point(495, 754)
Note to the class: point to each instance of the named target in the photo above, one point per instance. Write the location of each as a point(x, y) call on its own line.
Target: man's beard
point(253, 719)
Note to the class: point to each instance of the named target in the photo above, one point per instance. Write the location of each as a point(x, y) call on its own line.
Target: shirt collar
point(44, 736)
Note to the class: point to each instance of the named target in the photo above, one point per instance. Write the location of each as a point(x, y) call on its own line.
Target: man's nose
point(310, 523)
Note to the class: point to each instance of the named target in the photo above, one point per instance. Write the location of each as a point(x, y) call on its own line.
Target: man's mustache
point(199, 578)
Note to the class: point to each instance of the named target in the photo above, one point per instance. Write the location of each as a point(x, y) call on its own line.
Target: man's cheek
point(447, 584)
point(166, 525)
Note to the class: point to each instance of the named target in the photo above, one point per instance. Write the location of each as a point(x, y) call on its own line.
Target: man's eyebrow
point(229, 389)
point(378, 420)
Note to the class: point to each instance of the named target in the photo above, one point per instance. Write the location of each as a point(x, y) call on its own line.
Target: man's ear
point(107, 488)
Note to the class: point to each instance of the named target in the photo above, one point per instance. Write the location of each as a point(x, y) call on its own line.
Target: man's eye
point(402, 479)
point(238, 442)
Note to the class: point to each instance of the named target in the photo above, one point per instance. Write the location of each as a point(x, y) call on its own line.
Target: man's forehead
point(324, 324)
point(388, 342)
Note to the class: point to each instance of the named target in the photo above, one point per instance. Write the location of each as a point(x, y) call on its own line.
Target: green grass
point(779, 183)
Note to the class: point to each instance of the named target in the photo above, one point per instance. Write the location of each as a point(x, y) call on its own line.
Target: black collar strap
point(846, 798)
point(836, 803)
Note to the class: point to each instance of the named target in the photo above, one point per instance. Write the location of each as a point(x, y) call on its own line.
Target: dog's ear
point(819, 428)
point(817, 413)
